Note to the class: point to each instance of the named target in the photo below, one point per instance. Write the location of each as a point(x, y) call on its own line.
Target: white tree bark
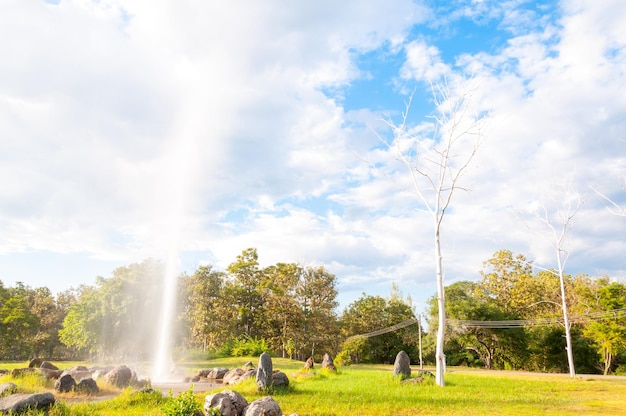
point(433, 165)
point(557, 222)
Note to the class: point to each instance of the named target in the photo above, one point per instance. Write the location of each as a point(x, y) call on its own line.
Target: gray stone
point(328, 363)
point(402, 365)
point(309, 364)
point(87, 386)
point(265, 406)
point(264, 372)
point(280, 379)
point(18, 403)
point(50, 374)
point(65, 383)
point(78, 373)
point(7, 389)
point(120, 376)
point(228, 402)
point(48, 365)
point(35, 362)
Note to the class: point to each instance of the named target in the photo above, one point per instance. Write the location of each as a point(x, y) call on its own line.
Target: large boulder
point(216, 373)
point(48, 365)
point(402, 365)
point(265, 406)
point(264, 372)
point(87, 386)
point(35, 362)
point(50, 374)
point(19, 403)
point(120, 376)
point(280, 379)
point(65, 384)
point(328, 363)
point(237, 375)
point(78, 373)
point(228, 402)
point(7, 389)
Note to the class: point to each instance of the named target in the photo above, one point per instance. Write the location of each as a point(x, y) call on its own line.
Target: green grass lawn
point(372, 390)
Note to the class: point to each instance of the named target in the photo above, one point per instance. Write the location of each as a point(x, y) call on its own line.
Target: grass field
point(372, 390)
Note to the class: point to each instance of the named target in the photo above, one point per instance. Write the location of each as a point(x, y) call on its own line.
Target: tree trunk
point(439, 355)
point(568, 335)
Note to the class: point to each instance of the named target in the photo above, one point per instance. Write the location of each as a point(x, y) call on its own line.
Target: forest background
point(510, 318)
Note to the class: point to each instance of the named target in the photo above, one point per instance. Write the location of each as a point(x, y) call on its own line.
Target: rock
point(19, 372)
point(3, 371)
point(7, 389)
point(248, 365)
point(50, 374)
point(328, 363)
point(264, 372)
point(48, 365)
point(402, 365)
point(120, 376)
point(217, 373)
point(64, 384)
point(99, 371)
point(228, 402)
point(237, 375)
point(280, 379)
point(78, 373)
point(265, 406)
point(425, 374)
point(19, 403)
point(309, 363)
point(87, 386)
point(35, 363)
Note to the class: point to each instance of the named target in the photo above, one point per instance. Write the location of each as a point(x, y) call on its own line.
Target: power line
point(504, 324)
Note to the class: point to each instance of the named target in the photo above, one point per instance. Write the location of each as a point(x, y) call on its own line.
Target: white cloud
point(122, 121)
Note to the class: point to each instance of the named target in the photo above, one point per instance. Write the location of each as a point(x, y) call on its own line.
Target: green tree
point(244, 290)
point(18, 326)
point(316, 296)
point(607, 327)
point(468, 307)
point(282, 314)
point(372, 313)
point(205, 308)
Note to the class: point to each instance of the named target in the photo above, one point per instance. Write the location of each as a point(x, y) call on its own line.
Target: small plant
point(185, 404)
point(248, 346)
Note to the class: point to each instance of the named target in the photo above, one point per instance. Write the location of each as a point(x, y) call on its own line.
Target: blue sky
point(130, 129)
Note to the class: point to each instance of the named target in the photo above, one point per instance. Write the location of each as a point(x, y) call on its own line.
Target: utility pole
point(419, 331)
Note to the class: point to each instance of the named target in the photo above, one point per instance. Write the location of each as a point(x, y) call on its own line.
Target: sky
point(192, 130)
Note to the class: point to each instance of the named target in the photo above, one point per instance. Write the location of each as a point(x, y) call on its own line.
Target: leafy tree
point(243, 290)
point(495, 347)
point(18, 326)
point(316, 296)
point(608, 329)
point(369, 314)
point(282, 314)
point(206, 310)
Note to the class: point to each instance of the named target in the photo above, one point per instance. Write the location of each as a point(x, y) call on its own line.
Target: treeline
point(509, 319)
point(287, 309)
point(513, 319)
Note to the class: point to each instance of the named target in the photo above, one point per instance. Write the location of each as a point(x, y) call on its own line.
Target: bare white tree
point(614, 207)
point(436, 158)
point(555, 214)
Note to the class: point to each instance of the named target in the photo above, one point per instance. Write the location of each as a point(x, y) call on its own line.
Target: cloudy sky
point(132, 129)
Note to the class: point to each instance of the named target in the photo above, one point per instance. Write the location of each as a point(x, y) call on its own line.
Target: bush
point(247, 346)
point(185, 404)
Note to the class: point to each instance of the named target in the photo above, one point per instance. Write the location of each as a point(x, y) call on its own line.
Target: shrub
point(185, 404)
point(247, 346)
